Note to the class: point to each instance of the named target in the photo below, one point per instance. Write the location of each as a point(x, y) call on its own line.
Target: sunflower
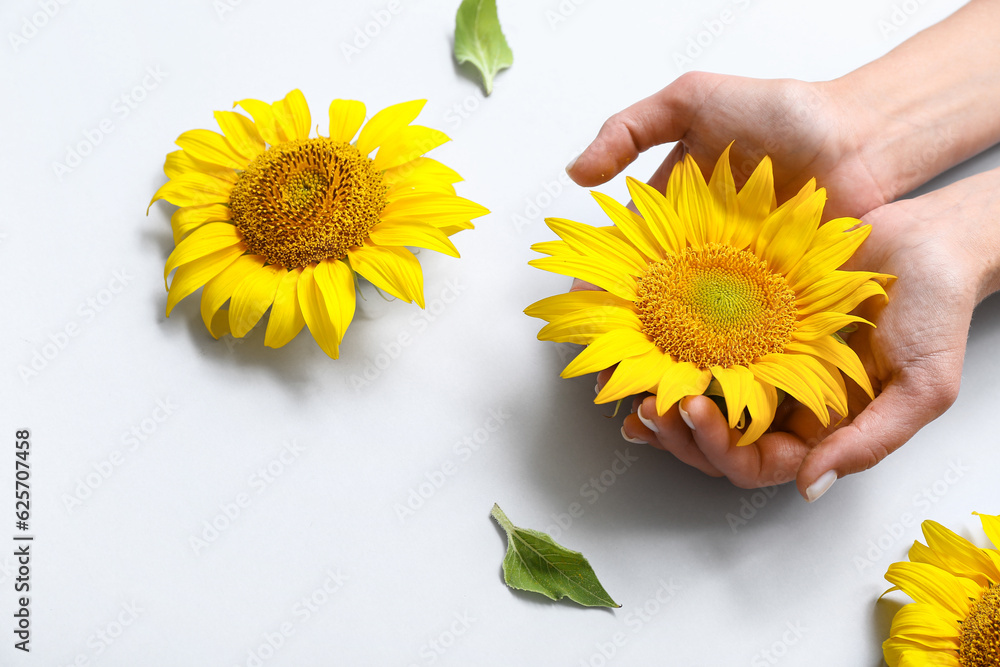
point(710, 289)
point(955, 621)
point(270, 217)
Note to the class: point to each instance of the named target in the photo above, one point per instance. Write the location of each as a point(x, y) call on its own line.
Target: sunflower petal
point(823, 324)
point(929, 584)
point(964, 558)
point(826, 256)
point(203, 241)
point(193, 275)
point(784, 372)
point(590, 241)
point(991, 526)
point(210, 147)
point(193, 189)
point(756, 201)
point(219, 289)
point(661, 220)
point(553, 307)
point(695, 205)
point(433, 208)
point(723, 189)
point(787, 232)
point(241, 134)
point(264, 120)
point(346, 118)
point(635, 375)
point(679, 380)
point(583, 326)
point(292, 114)
point(592, 271)
point(386, 122)
point(189, 218)
point(737, 386)
point(285, 320)
point(394, 270)
point(252, 297)
point(841, 291)
point(607, 350)
point(761, 404)
point(408, 143)
point(181, 164)
point(335, 282)
point(840, 355)
point(316, 313)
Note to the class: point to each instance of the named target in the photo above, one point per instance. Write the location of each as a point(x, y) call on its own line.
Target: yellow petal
point(590, 270)
point(421, 169)
point(787, 233)
point(219, 289)
point(394, 270)
point(922, 622)
point(963, 557)
point(583, 326)
point(607, 350)
point(840, 355)
point(823, 324)
point(193, 189)
point(737, 386)
point(695, 206)
point(292, 114)
point(406, 144)
point(761, 404)
point(264, 120)
point(241, 134)
point(179, 164)
point(680, 380)
point(991, 526)
point(285, 320)
point(203, 241)
point(841, 291)
point(211, 147)
point(252, 298)
point(194, 274)
point(411, 233)
point(914, 658)
point(386, 123)
point(756, 201)
point(635, 375)
point(346, 118)
point(316, 314)
point(432, 208)
point(335, 282)
point(926, 583)
point(723, 189)
point(784, 372)
point(189, 218)
point(829, 252)
point(661, 221)
point(556, 306)
point(587, 240)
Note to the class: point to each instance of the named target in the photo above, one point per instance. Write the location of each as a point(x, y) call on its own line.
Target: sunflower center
point(980, 640)
point(307, 200)
point(718, 306)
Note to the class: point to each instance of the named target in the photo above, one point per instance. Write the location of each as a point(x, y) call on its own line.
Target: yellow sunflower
point(955, 621)
point(713, 286)
point(273, 218)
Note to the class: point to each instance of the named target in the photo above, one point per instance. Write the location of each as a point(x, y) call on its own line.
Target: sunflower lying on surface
point(955, 621)
point(711, 283)
point(271, 218)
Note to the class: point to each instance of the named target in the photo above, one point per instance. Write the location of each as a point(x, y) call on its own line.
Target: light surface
point(449, 409)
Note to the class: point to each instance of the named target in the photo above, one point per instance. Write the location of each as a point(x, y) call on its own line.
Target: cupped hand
point(808, 130)
point(944, 249)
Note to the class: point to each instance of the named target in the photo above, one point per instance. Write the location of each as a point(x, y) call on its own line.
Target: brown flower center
point(307, 200)
point(980, 639)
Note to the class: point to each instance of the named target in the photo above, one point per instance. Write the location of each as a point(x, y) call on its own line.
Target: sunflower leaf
point(479, 39)
point(536, 563)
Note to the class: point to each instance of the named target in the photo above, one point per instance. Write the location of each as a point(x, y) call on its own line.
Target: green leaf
point(536, 563)
point(479, 40)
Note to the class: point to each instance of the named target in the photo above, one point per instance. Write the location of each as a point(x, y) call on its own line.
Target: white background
point(799, 581)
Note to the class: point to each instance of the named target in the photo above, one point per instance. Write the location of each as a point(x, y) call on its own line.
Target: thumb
point(906, 405)
point(660, 118)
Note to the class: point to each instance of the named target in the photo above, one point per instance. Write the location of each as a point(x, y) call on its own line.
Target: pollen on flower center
point(718, 306)
point(980, 640)
point(307, 200)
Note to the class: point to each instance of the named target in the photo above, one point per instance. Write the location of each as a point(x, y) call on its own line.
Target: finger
point(771, 460)
point(580, 285)
point(671, 434)
point(660, 118)
point(906, 405)
point(662, 174)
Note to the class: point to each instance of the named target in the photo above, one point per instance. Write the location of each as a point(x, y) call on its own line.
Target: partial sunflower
point(273, 218)
point(955, 619)
point(710, 286)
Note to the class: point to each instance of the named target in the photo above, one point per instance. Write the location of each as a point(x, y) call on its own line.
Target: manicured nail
point(685, 416)
point(597, 388)
point(573, 162)
point(648, 423)
point(821, 485)
point(634, 441)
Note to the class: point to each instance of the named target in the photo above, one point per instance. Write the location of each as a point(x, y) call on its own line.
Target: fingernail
point(648, 423)
point(573, 162)
point(685, 416)
point(634, 441)
point(597, 388)
point(821, 485)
